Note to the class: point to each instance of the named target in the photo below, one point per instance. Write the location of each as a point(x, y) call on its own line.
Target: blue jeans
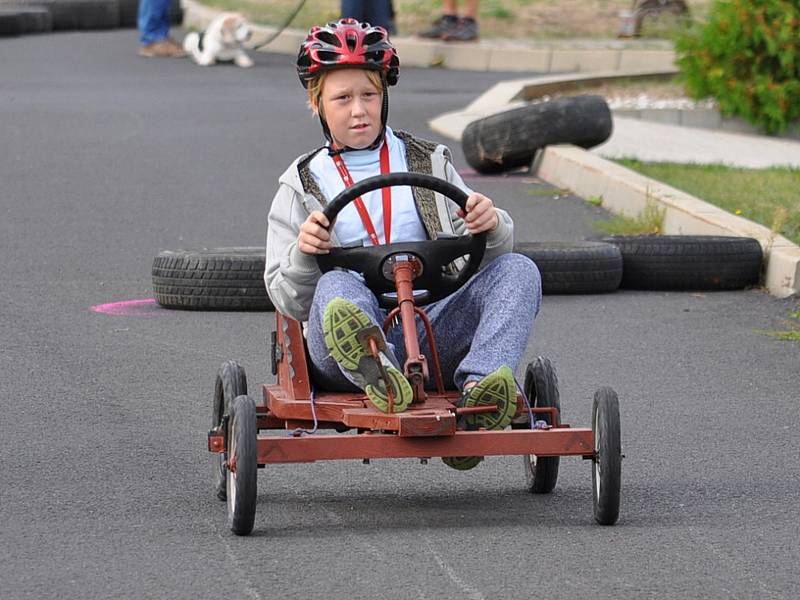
point(478, 328)
point(374, 12)
point(153, 20)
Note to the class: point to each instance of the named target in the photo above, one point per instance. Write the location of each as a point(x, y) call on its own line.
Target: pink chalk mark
point(127, 308)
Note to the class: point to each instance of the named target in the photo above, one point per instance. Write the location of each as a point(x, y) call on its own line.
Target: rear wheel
point(607, 461)
point(231, 382)
point(541, 389)
point(242, 466)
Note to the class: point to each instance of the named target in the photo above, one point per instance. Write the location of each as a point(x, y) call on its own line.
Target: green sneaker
point(497, 388)
point(342, 323)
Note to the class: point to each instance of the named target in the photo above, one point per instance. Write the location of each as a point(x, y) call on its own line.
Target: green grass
point(649, 222)
point(792, 331)
point(505, 19)
point(770, 197)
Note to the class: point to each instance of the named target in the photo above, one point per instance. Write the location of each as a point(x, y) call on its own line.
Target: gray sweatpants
point(479, 328)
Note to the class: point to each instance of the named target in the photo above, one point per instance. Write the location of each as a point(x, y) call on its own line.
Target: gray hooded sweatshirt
point(291, 275)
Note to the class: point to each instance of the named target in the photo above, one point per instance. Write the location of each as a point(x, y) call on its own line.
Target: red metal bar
point(474, 410)
point(292, 368)
point(552, 442)
point(416, 367)
point(437, 368)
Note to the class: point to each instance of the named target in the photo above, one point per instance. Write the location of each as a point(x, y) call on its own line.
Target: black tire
point(575, 267)
point(607, 462)
point(654, 9)
point(541, 389)
point(12, 22)
point(37, 19)
point(211, 279)
point(509, 140)
point(82, 14)
point(688, 262)
point(231, 383)
point(242, 484)
point(17, 20)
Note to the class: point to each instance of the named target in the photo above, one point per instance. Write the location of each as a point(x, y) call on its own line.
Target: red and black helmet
point(347, 43)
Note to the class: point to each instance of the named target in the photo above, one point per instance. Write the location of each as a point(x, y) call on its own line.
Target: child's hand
point(314, 237)
point(481, 214)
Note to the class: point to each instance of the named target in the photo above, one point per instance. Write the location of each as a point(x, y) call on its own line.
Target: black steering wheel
point(375, 262)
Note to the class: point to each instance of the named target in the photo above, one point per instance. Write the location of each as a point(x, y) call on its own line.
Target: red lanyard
point(386, 193)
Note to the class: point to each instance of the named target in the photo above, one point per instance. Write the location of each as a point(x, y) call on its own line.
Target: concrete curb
point(626, 192)
point(577, 56)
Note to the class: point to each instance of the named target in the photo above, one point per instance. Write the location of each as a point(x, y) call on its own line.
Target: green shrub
point(746, 56)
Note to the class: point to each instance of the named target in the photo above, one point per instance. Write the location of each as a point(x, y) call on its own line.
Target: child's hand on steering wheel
point(314, 236)
point(481, 214)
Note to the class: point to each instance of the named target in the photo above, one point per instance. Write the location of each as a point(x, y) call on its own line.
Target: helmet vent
point(327, 57)
point(373, 38)
point(329, 38)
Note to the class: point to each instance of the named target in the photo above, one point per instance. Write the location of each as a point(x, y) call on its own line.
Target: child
point(481, 330)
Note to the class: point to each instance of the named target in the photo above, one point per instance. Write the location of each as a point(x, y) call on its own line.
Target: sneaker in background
point(466, 30)
point(440, 27)
point(162, 48)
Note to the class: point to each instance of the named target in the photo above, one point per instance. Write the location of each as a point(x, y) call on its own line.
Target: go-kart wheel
point(434, 257)
point(231, 382)
point(541, 389)
point(607, 462)
point(242, 466)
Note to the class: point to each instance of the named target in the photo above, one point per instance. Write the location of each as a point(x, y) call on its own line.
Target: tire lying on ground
point(82, 14)
point(509, 140)
point(211, 279)
point(18, 20)
point(688, 262)
point(11, 22)
point(575, 267)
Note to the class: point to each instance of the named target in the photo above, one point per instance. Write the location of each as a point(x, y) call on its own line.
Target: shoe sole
point(462, 463)
point(496, 388)
point(342, 323)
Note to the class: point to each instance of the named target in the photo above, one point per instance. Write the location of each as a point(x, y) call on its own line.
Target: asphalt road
point(107, 158)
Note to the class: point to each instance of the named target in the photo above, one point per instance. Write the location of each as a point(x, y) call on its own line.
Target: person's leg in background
point(354, 9)
point(374, 12)
point(153, 24)
point(466, 29)
point(448, 21)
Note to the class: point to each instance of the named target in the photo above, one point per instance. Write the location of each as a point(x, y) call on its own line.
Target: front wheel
point(242, 466)
point(541, 389)
point(231, 382)
point(607, 460)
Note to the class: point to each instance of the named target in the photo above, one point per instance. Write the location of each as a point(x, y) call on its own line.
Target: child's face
point(351, 105)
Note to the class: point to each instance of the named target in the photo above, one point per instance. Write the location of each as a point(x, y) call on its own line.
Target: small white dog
point(222, 41)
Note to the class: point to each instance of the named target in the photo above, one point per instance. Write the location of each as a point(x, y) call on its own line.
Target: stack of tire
point(19, 17)
point(232, 278)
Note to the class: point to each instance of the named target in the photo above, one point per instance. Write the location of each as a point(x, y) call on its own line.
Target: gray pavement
point(108, 158)
point(663, 142)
